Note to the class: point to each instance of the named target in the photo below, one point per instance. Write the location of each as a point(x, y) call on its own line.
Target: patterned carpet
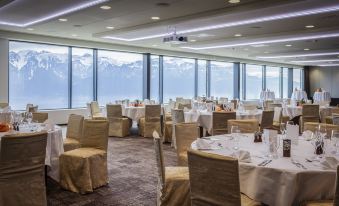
point(132, 176)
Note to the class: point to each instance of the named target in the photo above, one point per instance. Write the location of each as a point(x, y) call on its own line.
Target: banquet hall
point(169, 102)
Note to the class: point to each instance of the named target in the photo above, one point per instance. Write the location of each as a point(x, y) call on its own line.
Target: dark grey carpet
point(132, 176)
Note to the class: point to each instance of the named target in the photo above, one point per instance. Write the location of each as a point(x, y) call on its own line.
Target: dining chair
point(33, 109)
point(183, 106)
point(266, 119)
point(219, 122)
point(151, 121)
point(5, 117)
point(310, 113)
point(85, 168)
point(95, 110)
point(244, 125)
point(173, 183)
point(178, 116)
point(214, 180)
point(39, 117)
point(277, 117)
point(3, 105)
point(118, 125)
point(186, 134)
point(73, 132)
point(323, 113)
point(312, 126)
point(22, 169)
point(167, 125)
point(249, 107)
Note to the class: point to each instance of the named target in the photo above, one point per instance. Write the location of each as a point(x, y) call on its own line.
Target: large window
point(285, 82)
point(178, 78)
point(297, 79)
point(155, 77)
point(38, 74)
point(82, 77)
point(222, 79)
point(120, 76)
point(273, 80)
point(253, 81)
point(202, 78)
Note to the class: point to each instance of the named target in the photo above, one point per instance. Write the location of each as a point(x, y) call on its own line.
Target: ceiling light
point(319, 60)
point(193, 40)
point(30, 29)
point(234, 1)
point(299, 13)
point(154, 45)
point(109, 27)
point(155, 18)
point(309, 26)
point(63, 20)
point(306, 49)
point(299, 55)
point(328, 65)
point(74, 35)
point(288, 45)
point(266, 52)
point(105, 7)
point(237, 35)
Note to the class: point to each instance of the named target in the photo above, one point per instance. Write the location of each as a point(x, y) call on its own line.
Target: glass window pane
point(178, 78)
point(253, 81)
point(202, 73)
point(285, 82)
point(222, 79)
point(120, 76)
point(296, 78)
point(155, 78)
point(241, 91)
point(38, 74)
point(82, 77)
point(273, 80)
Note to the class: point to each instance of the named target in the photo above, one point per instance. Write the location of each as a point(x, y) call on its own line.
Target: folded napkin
point(330, 163)
point(307, 135)
point(242, 156)
point(202, 144)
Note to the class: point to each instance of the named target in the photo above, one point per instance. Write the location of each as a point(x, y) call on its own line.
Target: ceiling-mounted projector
point(173, 38)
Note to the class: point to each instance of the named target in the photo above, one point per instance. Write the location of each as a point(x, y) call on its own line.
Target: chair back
point(310, 110)
point(159, 157)
point(182, 106)
point(178, 116)
point(277, 114)
point(326, 112)
point(114, 111)
point(214, 179)
point(3, 105)
point(271, 106)
point(244, 125)
point(223, 100)
point(95, 134)
point(39, 117)
point(219, 121)
point(266, 119)
point(74, 126)
point(28, 106)
point(185, 134)
point(250, 107)
point(235, 103)
point(5, 117)
point(312, 126)
point(95, 109)
point(335, 119)
point(152, 113)
point(33, 109)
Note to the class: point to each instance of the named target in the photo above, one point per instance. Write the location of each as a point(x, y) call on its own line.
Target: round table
point(135, 113)
point(279, 183)
point(322, 97)
point(267, 95)
point(299, 95)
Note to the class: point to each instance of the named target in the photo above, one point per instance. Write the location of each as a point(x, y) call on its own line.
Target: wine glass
point(283, 129)
point(335, 139)
point(235, 134)
point(29, 117)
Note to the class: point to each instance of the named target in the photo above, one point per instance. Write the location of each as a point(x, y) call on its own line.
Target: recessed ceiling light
point(109, 27)
point(237, 35)
point(266, 52)
point(74, 35)
point(155, 18)
point(288, 45)
point(328, 65)
point(306, 49)
point(193, 40)
point(154, 45)
point(299, 55)
point(105, 7)
point(309, 26)
point(63, 20)
point(234, 1)
point(30, 29)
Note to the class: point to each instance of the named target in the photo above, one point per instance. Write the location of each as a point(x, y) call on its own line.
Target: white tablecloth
point(204, 118)
point(280, 183)
point(293, 111)
point(267, 95)
point(299, 95)
point(54, 148)
point(322, 97)
point(135, 113)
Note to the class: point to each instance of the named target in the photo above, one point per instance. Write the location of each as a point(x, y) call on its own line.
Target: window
point(155, 74)
point(202, 77)
point(38, 74)
point(253, 81)
point(285, 82)
point(120, 76)
point(222, 79)
point(242, 82)
point(297, 79)
point(273, 80)
point(82, 77)
point(178, 78)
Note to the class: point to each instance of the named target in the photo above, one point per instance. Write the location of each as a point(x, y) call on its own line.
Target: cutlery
point(269, 161)
point(298, 164)
point(262, 163)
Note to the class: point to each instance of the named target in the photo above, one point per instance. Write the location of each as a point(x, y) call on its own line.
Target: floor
point(132, 176)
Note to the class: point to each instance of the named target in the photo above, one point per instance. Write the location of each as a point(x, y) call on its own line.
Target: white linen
point(293, 111)
point(267, 95)
point(281, 182)
point(299, 95)
point(330, 163)
point(135, 113)
point(319, 97)
point(242, 156)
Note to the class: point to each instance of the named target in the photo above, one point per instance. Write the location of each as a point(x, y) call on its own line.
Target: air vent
point(162, 4)
point(5, 2)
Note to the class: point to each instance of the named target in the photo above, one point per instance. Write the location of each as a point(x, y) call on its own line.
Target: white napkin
point(202, 144)
point(242, 156)
point(307, 135)
point(330, 163)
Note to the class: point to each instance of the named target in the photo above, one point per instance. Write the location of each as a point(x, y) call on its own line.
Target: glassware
point(29, 117)
point(235, 134)
point(283, 129)
point(335, 139)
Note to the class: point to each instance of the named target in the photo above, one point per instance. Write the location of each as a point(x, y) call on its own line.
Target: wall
point(326, 78)
point(3, 70)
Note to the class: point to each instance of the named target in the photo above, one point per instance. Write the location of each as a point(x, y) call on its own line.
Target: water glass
point(335, 139)
point(235, 134)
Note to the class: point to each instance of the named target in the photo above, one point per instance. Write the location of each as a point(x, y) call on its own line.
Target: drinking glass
point(29, 117)
point(235, 134)
point(283, 129)
point(335, 139)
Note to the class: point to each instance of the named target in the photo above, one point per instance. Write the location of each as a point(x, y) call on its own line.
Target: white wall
point(3, 70)
point(325, 77)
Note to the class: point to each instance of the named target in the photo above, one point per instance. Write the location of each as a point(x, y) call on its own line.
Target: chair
point(267, 103)
point(335, 119)
point(277, 117)
point(33, 109)
point(271, 106)
point(249, 107)
point(310, 113)
point(178, 116)
point(173, 183)
point(186, 133)
point(326, 112)
point(151, 121)
point(167, 125)
point(28, 106)
point(182, 106)
point(85, 168)
point(219, 122)
point(39, 117)
point(266, 119)
point(22, 169)
point(214, 180)
point(223, 100)
point(118, 125)
point(312, 126)
point(73, 133)
point(5, 117)
point(245, 125)
point(95, 110)
point(3, 105)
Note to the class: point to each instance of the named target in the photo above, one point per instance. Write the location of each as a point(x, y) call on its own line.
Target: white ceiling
point(262, 36)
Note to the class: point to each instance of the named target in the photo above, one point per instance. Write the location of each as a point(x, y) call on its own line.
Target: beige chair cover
point(219, 122)
point(178, 116)
point(335, 119)
point(312, 126)
point(84, 169)
point(73, 133)
point(118, 125)
point(39, 117)
point(22, 169)
point(214, 180)
point(95, 110)
point(3, 105)
point(33, 109)
point(325, 113)
point(186, 133)
point(266, 119)
point(5, 117)
point(173, 182)
point(167, 126)
point(277, 118)
point(267, 103)
point(250, 107)
point(151, 121)
point(182, 106)
point(245, 125)
point(310, 113)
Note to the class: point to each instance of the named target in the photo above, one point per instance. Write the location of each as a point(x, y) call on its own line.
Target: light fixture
point(309, 26)
point(30, 29)
point(155, 18)
point(193, 40)
point(105, 7)
point(154, 45)
point(288, 45)
point(237, 35)
point(316, 60)
point(63, 20)
point(328, 65)
point(306, 49)
point(109, 27)
point(234, 1)
point(299, 13)
point(266, 52)
point(74, 35)
point(299, 55)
